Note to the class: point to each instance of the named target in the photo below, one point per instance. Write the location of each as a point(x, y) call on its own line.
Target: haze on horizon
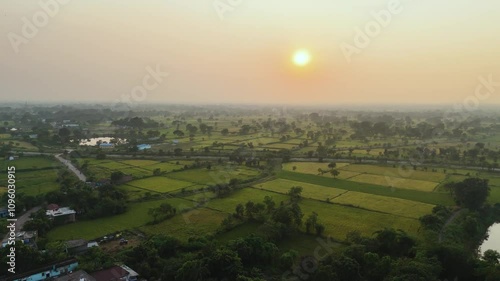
point(430, 52)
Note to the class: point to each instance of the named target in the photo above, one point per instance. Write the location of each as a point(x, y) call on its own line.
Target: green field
point(190, 224)
point(136, 216)
point(398, 172)
point(310, 167)
point(395, 206)
point(32, 163)
point(395, 182)
point(216, 175)
point(340, 220)
point(160, 184)
point(308, 190)
point(433, 198)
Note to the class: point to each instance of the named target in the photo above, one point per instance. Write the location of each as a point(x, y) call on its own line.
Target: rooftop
point(60, 212)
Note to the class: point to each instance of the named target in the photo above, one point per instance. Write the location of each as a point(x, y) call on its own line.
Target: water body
point(94, 141)
point(493, 241)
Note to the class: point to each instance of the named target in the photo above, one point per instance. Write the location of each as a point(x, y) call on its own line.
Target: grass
point(160, 184)
point(308, 190)
point(193, 223)
point(310, 167)
point(396, 172)
point(31, 163)
point(340, 220)
point(216, 175)
point(395, 182)
point(433, 198)
point(139, 163)
point(395, 206)
point(242, 196)
point(136, 216)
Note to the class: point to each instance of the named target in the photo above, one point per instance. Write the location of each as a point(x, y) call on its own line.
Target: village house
point(60, 215)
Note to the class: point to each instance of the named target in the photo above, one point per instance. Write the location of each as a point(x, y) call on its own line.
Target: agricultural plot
point(35, 182)
point(312, 191)
point(395, 206)
point(310, 167)
point(434, 198)
point(160, 184)
point(32, 163)
point(136, 216)
point(216, 175)
point(395, 182)
point(340, 220)
point(139, 163)
point(398, 172)
point(228, 204)
point(193, 223)
point(164, 166)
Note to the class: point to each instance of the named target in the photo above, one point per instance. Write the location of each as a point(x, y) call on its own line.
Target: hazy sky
point(99, 50)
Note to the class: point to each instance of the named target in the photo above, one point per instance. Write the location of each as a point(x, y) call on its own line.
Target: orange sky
point(429, 52)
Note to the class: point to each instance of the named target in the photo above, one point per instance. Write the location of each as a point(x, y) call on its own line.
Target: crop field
point(136, 216)
point(433, 198)
point(228, 204)
point(395, 182)
point(139, 163)
point(396, 172)
point(340, 220)
point(308, 190)
point(160, 184)
point(163, 166)
point(189, 224)
point(216, 175)
point(34, 175)
point(310, 167)
point(395, 206)
point(31, 163)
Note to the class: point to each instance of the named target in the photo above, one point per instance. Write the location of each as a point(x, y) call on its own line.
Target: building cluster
point(67, 270)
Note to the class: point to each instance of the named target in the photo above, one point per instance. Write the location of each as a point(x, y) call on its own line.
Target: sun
point(301, 57)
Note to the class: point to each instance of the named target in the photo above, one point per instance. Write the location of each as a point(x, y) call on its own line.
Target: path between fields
point(22, 220)
point(71, 167)
point(448, 221)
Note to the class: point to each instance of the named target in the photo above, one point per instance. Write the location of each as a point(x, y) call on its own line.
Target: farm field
point(189, 224)
point(433, 198)
point(308, 190)
point(31, 163)
point(340, 220)
point(160, 184)
point(136, 216)
point(395, 206)
point(215, 175)
point(310, 167)
point(395, 182)
point(395, 172)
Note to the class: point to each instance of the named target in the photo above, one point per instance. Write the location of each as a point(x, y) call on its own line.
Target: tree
point(116, 177)
point(270, 204)
point(491, 256)
point(239, 210)
point(471, 192)
point(334, 173)
point(311, 222)
point(332, 165)
point(295, 193)
point(224, 132)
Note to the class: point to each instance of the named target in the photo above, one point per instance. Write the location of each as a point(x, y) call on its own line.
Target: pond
point(493, 241)
point(94, 141)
